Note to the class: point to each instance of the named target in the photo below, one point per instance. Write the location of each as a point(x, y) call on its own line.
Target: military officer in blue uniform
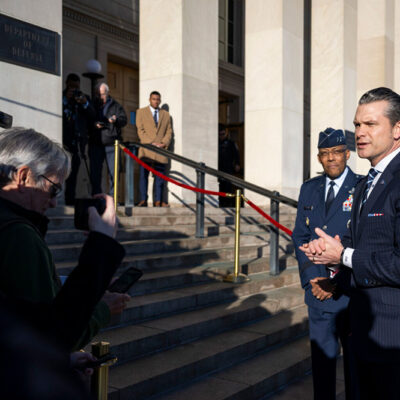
point(326, 201)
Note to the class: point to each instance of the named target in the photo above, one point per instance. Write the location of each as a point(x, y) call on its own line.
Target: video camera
point(78, 95)
point(6, 120)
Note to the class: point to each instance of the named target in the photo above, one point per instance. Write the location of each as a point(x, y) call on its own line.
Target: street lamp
point(93, 68)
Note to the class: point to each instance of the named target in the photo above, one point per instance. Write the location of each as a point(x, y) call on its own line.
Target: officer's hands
point(324, 250)
point(322, 288)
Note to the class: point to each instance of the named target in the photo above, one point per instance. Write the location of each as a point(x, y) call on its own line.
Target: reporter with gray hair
point(110, 119)
point(32, 172)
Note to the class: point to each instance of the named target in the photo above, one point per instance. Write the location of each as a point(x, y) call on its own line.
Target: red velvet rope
point(270, 219)
point(166, 178)
point(195, 189)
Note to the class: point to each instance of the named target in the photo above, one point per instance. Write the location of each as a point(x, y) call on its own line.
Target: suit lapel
point(355, 215)
point(377, 191)
point(150, 116)
point(160, 116)
point(320, 204)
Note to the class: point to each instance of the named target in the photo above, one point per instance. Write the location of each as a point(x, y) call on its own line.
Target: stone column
point(375, 44)
point(31, 96)
point(375, 52)
point(179, 58)
point(274, 96)
point(333, 70)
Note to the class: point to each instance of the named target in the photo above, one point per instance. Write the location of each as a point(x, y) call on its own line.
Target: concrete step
point(186, 210)
point(67, 222)
point(134, 341)
point(68, 236)
point(192, 258)
point(302, 389)
point(165, 303)
point(158, 280)
point(164, 371)
point(64, 252)
point(166, 279)
point(253, 379)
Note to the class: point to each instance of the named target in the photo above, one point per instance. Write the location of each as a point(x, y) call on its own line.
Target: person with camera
point(110, 119)
point(31, 177)
point(78, 117)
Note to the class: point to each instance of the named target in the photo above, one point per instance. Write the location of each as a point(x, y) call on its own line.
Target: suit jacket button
point(324, 227)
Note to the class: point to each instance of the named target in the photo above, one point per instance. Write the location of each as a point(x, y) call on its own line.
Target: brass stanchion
point(116, 170)
point(237, 277)
point(99, 384)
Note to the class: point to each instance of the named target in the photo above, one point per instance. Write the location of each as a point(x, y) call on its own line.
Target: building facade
point(275, 72)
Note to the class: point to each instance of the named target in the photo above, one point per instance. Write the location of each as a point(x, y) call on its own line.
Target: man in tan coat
point(154, 127)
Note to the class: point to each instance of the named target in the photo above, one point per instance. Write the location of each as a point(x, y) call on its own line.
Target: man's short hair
point(155, 92)
point(22, 146)
point(72, 77)
point(384, 94)
point(99, 85)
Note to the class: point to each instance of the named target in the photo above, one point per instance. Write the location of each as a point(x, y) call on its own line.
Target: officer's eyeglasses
point(335, 153)
point(55, 188)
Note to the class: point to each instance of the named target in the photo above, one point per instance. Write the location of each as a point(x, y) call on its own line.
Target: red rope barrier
point(166, 178)
point(210, 192)
point(269, 218)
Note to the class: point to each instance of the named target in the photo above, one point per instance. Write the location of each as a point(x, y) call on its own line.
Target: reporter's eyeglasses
point(55, 188)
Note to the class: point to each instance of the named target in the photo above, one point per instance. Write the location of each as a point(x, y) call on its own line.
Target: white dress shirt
point(380, 167)
point(338, 183)
point(153, 111)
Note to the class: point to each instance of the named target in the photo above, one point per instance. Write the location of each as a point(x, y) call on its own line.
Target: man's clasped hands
point(324, 250)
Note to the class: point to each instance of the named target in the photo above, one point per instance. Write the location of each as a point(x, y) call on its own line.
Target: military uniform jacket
point(310, 215)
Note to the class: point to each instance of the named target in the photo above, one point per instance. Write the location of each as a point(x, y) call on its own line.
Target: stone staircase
point(185, 333)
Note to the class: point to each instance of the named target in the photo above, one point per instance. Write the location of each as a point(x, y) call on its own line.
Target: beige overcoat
point(148, 132)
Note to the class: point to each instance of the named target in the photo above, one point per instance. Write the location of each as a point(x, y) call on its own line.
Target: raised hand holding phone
point(106, 223)
point(126, 280)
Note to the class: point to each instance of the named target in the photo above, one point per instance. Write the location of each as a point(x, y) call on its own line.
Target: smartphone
point(81, 219)
point(109, 359)
point(126, 280)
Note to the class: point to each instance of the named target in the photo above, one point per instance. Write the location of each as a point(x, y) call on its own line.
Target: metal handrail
point(201, 170)
point(223, 175)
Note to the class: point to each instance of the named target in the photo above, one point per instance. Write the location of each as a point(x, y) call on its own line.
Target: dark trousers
point(70, 183)
point(158, 182)
point(326, 328)
point(378, 381)
point(97, 155)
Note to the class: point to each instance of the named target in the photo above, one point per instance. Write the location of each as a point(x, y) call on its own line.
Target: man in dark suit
point(370, 253)
point(325, 201)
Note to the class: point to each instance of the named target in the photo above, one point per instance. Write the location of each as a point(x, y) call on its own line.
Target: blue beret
point(331, 137)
